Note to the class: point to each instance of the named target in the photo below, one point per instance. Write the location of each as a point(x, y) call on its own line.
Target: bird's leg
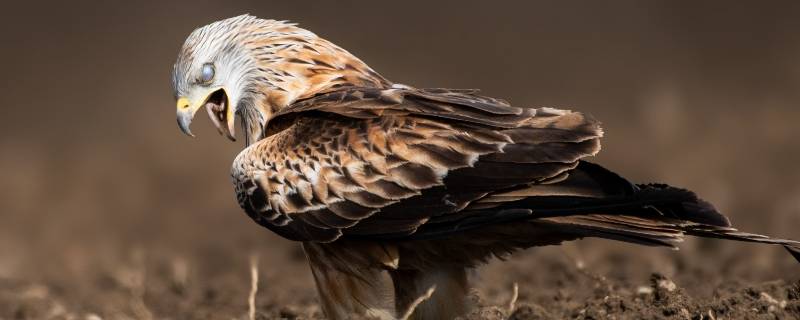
point(449, 298)
point(350, 285)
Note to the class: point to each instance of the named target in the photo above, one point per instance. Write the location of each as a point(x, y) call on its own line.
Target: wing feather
point(372, 162)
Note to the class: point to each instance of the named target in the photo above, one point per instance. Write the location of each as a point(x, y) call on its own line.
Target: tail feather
point(732, 234)
point(621, 228)
point(595, 202)
point(657, 232)
point(794, 251)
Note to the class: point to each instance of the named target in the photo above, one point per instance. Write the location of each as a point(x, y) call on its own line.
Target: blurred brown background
point(101, 194)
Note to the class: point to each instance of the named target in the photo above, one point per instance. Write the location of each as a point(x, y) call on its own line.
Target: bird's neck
point(305, 67)
point(300, 68)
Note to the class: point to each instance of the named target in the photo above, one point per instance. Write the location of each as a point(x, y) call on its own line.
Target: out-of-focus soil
point(107, 212)
point(553, 283)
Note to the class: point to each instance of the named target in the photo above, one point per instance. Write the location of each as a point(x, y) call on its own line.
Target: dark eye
point(207, 73)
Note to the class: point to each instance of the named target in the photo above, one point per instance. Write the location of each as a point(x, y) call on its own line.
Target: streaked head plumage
point(250, 67)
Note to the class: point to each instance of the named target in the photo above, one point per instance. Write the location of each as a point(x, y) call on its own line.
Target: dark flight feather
point(427, 164)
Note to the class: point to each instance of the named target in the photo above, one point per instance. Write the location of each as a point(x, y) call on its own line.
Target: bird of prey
point(394, 190)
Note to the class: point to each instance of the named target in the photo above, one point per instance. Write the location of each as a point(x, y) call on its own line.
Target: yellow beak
point(186, 111)
point(217, 105)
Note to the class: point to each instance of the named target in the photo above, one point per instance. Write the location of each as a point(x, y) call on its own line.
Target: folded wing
point(372, 162)
point(409, 164)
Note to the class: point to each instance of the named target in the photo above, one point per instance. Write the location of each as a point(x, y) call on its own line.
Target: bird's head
point(251, 68)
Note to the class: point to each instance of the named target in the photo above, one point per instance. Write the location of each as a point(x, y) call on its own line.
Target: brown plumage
point(393, 189)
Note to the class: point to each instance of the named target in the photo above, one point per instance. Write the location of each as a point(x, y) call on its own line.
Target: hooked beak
point(218, 108)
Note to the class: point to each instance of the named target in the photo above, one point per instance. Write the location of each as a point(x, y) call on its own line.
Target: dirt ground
point(108, 212)
point(568, 282)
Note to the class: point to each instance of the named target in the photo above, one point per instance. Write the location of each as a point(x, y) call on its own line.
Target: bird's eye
point(207, 73)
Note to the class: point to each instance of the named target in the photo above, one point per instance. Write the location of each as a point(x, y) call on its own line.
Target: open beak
point(219, 110)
